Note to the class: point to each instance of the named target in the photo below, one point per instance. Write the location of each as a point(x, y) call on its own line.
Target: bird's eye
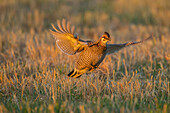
point(104, 39)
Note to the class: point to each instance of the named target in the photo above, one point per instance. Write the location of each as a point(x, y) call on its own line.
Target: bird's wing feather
point(65, 38)
point(111, 48)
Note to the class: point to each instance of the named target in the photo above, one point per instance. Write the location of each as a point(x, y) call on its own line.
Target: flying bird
point(91, 54)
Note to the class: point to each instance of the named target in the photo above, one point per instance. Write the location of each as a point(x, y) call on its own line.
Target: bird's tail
point(75, 74)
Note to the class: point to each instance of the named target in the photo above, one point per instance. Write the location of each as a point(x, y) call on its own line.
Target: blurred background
point(38, 14)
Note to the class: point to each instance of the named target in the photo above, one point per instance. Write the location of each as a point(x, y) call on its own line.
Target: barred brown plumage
point(92, 52)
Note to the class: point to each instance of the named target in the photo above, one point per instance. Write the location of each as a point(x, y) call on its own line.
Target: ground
point(33, 70)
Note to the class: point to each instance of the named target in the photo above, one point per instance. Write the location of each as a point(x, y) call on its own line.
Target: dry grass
point(33, 70)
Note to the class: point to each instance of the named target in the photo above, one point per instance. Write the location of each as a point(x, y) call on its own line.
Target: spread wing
point(111, 48)
point(65, 38)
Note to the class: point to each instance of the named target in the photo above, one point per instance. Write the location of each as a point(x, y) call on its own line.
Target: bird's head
point(105, 37)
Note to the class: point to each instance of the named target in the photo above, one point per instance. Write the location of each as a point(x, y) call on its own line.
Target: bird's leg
point(93, 67)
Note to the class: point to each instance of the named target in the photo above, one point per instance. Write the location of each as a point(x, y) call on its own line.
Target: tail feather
point(70, 74)
point(74, 73)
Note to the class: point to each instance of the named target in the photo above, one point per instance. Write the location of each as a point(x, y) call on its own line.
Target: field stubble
point(33, 70)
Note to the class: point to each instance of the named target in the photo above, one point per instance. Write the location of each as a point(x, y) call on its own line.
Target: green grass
point(33, 70)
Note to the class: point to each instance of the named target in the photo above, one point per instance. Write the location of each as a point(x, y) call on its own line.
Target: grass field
point(33, 70)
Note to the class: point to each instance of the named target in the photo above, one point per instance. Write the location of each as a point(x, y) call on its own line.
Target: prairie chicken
point(91, 54)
